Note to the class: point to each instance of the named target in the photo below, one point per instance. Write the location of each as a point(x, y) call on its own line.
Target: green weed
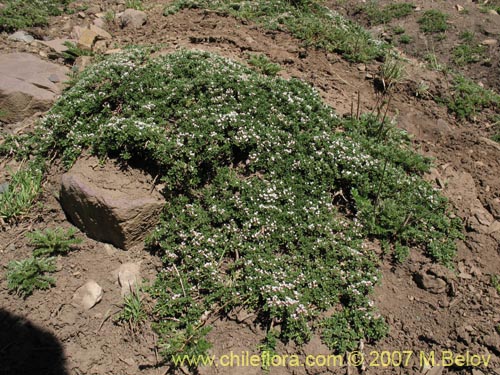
point(392, 71)
point(467, 98)
point(398, 30)
point(264, 65)
point(133, 313)
point(53, 241)
point(27, 275)
point(23, 189)
point(468, 53)
point(308, 21)
point(134, 4)
point(405, 39)
point(73, 52)
point(379, 15)
point(19, 14)
point(434, 63)
point(433, 21)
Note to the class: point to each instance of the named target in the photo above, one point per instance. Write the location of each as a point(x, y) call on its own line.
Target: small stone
point(100, 46)
point(109, 249)
point(58, 45)
point(21, 36)
point(4, 186)
point(494, 227)
point(112, 51)
point(81, 63)
point(489, 42)
point(76, 33)
point(82, 15)
point(103, 34)
point(88, 295)
point(54, 78)
point(438, 370)
point(493, 12)
point(99, 22)
point(459, 8)
point(133, 18)
point(465, 276)
point(87, 39)
point(129, 276)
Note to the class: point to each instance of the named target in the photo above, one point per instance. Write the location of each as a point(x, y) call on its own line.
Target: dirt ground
point(46, 334)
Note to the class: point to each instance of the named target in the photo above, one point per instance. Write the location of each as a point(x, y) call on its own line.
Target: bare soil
point(46, 334)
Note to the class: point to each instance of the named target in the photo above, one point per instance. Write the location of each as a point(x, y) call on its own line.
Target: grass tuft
point(384, 14)
point(23, 189)
point(433, 21)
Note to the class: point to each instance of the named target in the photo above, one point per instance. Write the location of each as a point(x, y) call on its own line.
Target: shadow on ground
point(27, 349)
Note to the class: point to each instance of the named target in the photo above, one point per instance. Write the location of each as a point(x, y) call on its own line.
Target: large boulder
point(133, 18)
point(110, 205)
point(28, 85)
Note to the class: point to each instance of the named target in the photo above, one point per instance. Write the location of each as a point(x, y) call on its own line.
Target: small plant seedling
point(27, 275)
point(495, 282)
point(392, 71)
point(434, 63)
point(422, 90)
point(405, 39)
point(53, 241)
point(264, 65)
point(398, 30)
point(433, 21)
point(133, 312)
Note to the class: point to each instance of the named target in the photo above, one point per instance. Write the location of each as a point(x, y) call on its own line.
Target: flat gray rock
point(25, 87)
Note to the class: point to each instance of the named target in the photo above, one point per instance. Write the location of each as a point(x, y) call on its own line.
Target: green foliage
point(434, 63)
point(398, 30)
point(23, 189)
point(496, 128)
point(468, 52)
point(495, 282)
point(133, 312)
point(73, 52)
point(263, 65)
point(433, 21)
point(308, 21)
point(19, 14)
point(384, 14)
point(254, 168)
point(405, 39)
point(134, 4)
point(53, 242)
point(343, 330)
point(392, 71)
point(468, 98)
point(27, 275)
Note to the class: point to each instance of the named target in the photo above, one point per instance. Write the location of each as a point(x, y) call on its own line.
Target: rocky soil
point(70, 330)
